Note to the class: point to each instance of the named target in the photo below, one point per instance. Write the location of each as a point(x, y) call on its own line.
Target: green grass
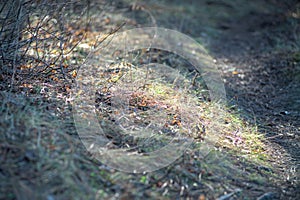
point(43, 156)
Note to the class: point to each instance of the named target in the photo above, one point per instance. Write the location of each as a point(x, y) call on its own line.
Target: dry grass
point(41, 153)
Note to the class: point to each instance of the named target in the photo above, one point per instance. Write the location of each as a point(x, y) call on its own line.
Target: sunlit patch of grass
point(242, 138)
point(185, 111)
point(161, 90)
point(148, 102)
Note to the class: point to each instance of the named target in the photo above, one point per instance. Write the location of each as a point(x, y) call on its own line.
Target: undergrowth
point(42, 156)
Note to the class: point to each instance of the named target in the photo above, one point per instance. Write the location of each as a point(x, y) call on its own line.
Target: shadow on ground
point(256, 46)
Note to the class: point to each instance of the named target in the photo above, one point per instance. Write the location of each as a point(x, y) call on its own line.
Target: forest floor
point(256, 47)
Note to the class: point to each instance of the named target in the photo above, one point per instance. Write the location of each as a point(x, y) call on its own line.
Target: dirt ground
point(256, 46)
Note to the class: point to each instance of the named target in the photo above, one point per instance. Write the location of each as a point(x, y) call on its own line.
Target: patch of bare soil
point(262, 78)
point(257, 48)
